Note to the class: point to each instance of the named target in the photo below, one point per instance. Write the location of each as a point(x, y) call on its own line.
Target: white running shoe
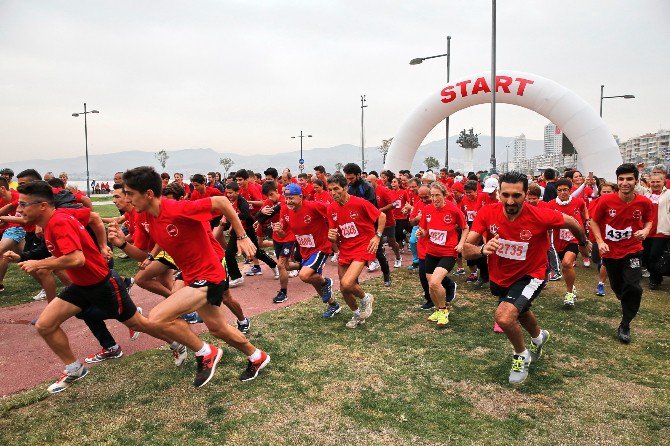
point(293, 273)
point(236, 282)
point(366, 305)
point(335, 257)
point(179, 353)
point(373, 266)
point(276, 271)
point(41, 295)
point(397, 263)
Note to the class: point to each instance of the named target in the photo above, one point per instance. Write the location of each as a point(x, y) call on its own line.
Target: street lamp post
point(301, 162)
point(602, 90)
point(363, 132)
point(419, 60)
point(88, 178)
point(493, 86)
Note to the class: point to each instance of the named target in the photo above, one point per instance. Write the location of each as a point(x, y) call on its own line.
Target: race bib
point(565, 234)
point(397, 204)
point(471, 215)
point(349, 230)
point(305, 241)
point(617, 235)
point(510, 249)
point(438, 237)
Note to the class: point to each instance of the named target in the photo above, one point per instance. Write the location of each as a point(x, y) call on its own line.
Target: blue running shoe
point(332, 311)
point(327, 290)
point(600, 289)
point(192, 318)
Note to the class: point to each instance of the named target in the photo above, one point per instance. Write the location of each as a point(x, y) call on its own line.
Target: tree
point(468, 140)
point(384, 148)
point(338, 167)
point(226, 163)
point(431, 162)
point(162, 157)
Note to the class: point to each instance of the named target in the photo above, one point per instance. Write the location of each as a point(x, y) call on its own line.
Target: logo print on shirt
point(145, 225)
point(637, 214)
point(493, 229)
point(307, 219)
point(172, 230)
point(525, 235)
point(334, 216)
point(447, 218)
point(612, 213)
point(50, 246)
point(429, 218)
point(353, 215)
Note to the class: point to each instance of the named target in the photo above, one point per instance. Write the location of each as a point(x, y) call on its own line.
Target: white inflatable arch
point(598, 151)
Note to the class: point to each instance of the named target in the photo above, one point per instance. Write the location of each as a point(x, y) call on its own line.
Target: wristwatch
point(379, 234)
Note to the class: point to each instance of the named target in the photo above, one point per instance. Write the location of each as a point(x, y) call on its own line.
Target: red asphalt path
point(26, 361)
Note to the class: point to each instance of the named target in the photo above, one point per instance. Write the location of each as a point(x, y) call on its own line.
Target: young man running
point(516, 249)
point(620, 223)
point(352, 225)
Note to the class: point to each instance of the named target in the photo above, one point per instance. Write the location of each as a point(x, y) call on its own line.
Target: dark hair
point(233, 186)
point(534, 190)
point(470, 185)
point(175, 190)
point(198, 178)
point(513, 177)
point(564, 182)
point(303, 175)
point(389, 174)
point(338, 178)
point(320, 169)
point(374, 172)
point(142, 179)
point(318, 182)
point(242, 173)
point(350, 168)
point(38, 189)
point(56, 182)
point(628, 168)
point(211, 174)
point(32, 174)
point(165, 176)
point(4, 183)
point(7, 171)
point(549, 174)
point(271, 171)
point(268, 186)
point(117, 186)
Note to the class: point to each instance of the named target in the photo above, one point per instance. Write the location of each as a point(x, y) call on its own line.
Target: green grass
point(396, 380)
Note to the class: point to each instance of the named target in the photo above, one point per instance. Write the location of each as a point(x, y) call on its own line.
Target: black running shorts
point(214, 290)
point(109, 295)
point(572, 247)
point(433, 262)
point(521, 294)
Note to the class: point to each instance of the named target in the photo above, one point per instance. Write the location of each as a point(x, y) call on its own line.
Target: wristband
point(242, 237)
point(124, 245)
point(481, 251)
point(379, 234)
point(150, 257)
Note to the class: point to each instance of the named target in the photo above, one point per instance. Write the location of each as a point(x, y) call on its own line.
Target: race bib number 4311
point(510, 249)
point(616, 235)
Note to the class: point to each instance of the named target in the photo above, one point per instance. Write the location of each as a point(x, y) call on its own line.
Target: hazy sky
point(244, 76)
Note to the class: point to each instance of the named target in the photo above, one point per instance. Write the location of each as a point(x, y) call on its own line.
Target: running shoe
point(497, 328)
point(553, 277)
point(479, 284)
point(536, 349)
point(335, 257)
point(645, 272)
point(179, 353)
point(128, 282)
point(132, 333)
point(280, 297)
point(442, 317)
point(471, 278)
point(331, 311)
point(244, 325)
point(253, 367)
point(600, 289)
point(387, 280)
point(236, 282)
point(41, 296)
point(355, 321)
point(623, 333)
point(574, 290)
point(327, 289)
point(276, 271)
point(460, 272)
point(66, 379)
point(397, 263)
point(104, 355)
point(206, 366)
point(519, 371)
point(293, 273)
point(373, 266)
point(122, 255)
point(2, 288)
point(654, 285)
point(366, 305)
point(192, 318)
point(427, 306)
point(569, 300)
point(413, 267)
point(587, 263)
point(254, 271)
point(434, 316)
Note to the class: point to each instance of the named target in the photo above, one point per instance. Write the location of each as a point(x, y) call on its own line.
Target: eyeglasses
point(563, 189)
point(23, 204)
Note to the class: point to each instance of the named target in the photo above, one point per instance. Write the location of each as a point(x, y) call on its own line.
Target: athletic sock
point(255, 356)
point(538, 339)
point(524, 353)
point(283, 290)
point(204, 351)
point(72, 368)
point(241, 321)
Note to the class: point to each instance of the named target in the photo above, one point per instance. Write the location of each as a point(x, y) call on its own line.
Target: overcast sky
point(244, 76)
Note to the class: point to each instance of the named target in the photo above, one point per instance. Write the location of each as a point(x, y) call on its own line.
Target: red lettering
point(462, 84)
point(448, 94)
point(522, 85)
point(480, 85)
point(503, 82)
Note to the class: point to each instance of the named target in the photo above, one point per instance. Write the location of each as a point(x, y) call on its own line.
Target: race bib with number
point(305, 241)
point(617, 235)
point(397, 204)
point(349, 230)
point(565, 234)
point(438, 237)
point(471, 215)
point(510, 249)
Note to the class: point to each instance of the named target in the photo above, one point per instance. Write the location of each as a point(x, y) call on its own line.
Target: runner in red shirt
point(308, 220)
point(517, 243)
point(620, 222)
point(352, 226)
point(12, 234)
point(490, 191)
point(177, 227)
point(471, 203)
point(605, 189)
point(306, 186)
point(423, 200)
point(657, 242)
point(439, 225)
point(399, 201)
point(321, 195)
point(564, 241)
point(249, 190)
point(386, 204)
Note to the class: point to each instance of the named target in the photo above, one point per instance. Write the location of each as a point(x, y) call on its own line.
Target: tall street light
point(602, 90)
point(494, 86)
point(301, 162)
point(419, 60)
point(88, 178)
point(363, 132)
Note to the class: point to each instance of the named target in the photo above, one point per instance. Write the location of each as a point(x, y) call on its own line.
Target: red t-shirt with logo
point(575, 208)
point(180, 230)
point(619, 220)
point(355, 222)
point(310, 227)
point(323, 197)
point(64, 234)
point(419, 206)
point(384, 198)
point(209, 192)
point(440, 226)
point(82, 214)
point(307, 191)
point(288, 234)
point(399, 201)
point(14, 200)
point(471, 207)
point(487, 199)
point(654, 198)
point(252, 192)
point(524, 242)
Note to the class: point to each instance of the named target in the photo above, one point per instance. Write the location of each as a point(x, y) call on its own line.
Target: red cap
point(458, 187)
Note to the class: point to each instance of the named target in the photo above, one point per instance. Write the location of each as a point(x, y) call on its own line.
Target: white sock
point(241, 321)
point(601, 283)
point(524, 353)
point(255, 356)
point(538, 339)
point(204, 351)
point(71, 368)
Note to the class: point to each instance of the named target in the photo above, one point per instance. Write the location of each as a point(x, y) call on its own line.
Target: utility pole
point(363, 132)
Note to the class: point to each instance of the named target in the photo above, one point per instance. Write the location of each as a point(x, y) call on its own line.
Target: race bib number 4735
point(510, 249)
point(617, 235)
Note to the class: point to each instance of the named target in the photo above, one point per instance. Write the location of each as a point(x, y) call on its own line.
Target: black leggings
point(231, 252)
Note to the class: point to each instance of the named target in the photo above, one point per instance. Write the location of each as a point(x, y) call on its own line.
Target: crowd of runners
point(510, 231)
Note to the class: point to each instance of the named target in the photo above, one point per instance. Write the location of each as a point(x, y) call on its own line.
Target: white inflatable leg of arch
point(597, 149)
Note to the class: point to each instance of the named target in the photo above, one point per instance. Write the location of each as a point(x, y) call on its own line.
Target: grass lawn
point(396, 380)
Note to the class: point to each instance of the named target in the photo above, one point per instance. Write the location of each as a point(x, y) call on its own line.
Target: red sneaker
point(104, 355)
point(253, 367)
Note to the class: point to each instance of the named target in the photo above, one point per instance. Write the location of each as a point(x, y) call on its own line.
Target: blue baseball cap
point(292, 189)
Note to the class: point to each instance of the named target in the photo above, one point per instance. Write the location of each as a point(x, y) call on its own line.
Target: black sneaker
point(244, 325)
point(280, 297)
point(206, 366)
point(624, 334)
point(654, 285)
point(427, 306)
point(254, 367)
point(479, 284)
point(387, 280)
point(2, 288)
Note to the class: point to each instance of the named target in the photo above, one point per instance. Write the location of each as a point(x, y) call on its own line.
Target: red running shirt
point(419, 207)
point(440, 228)
point(288, 234)
point(14, 200)
point(355, 224)
point(323, 197)
point(619, 220)
point(471, 207)
point(575, 208)
point(384, 198)
point(63, 234)
point(524, 242)
point(399, 201)
point(310, 227)
point(209, 192)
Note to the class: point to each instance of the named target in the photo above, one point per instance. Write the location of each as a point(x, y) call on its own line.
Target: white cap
point(490, 185)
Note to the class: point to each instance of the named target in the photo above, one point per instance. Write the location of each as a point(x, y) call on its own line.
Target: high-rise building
point(520, 148)
point(553, 139)
point(650, 148)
